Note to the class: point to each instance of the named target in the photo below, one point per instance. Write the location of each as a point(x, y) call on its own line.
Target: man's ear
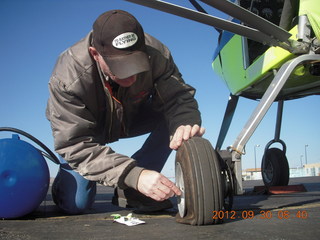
point(94, 53)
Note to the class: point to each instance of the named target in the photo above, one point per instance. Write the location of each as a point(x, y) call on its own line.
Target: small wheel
point(198, 175)
point(275, 168)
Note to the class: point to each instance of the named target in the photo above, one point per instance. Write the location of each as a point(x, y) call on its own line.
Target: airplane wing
point(265, 31)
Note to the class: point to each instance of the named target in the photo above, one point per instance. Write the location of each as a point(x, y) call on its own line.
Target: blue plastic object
point(24, 178)
point(71, 192)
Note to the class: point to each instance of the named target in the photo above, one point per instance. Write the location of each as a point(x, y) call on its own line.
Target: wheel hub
point(180, 184)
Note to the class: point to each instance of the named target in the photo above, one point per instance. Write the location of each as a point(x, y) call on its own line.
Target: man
point(119, 82)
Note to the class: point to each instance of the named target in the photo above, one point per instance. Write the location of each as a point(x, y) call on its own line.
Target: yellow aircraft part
point(273, 58)
point(252, 80)
point(312, 10)
point(230, 65)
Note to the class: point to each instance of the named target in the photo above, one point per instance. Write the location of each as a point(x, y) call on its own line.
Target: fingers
point(156, 186)
point(197, 131)
point(177, 138)
point(201, 132)
point(164, 192)
point(171, 186)
point(166, 189)
point(187, 130)
point(184, 133)
point(158, 195)
point(194, 130)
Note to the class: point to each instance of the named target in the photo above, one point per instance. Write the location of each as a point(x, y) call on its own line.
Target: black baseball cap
point(119, 38)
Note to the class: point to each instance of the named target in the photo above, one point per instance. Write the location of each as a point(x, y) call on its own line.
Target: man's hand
point(183, 133)
point(156, 186)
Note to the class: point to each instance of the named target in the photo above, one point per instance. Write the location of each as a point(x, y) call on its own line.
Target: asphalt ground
point(255, 215)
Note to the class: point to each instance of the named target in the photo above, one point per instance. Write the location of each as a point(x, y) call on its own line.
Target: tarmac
point(255, 215)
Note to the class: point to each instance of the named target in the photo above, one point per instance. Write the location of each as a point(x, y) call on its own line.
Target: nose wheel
point(202, 180)
point(275, 168)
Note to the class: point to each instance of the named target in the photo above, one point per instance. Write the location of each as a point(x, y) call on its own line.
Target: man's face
point(126, 82)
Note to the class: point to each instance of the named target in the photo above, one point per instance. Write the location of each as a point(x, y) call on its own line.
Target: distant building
point(251, 174)
point(312, 169)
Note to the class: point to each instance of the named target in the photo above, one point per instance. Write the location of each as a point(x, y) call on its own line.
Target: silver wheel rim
point(180, 184)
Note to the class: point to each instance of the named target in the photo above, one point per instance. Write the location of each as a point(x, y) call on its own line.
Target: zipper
point(123, 128)
point(104, 78)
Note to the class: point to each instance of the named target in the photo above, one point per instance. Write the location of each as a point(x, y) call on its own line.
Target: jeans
point(155, 151)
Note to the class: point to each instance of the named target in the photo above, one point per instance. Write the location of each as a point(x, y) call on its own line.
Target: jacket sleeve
point(173, 96)
point(80, 142)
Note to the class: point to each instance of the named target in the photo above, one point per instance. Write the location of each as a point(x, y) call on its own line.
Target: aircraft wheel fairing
point(198, 175)
point(275, 168)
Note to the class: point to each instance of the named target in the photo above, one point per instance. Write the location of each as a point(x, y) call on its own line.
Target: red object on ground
point(280, 189)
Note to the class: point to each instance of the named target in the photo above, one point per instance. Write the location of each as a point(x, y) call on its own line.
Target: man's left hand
point(183, 133)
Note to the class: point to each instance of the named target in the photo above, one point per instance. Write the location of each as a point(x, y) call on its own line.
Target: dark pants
point(155, 151)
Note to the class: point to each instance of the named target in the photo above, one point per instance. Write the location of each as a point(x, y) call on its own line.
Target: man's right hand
point(156, 186)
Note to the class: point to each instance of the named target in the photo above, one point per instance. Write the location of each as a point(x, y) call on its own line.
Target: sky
point(35, 32)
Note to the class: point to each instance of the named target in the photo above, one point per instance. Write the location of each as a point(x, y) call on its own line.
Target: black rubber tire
point(275, 170)
point(201, 172)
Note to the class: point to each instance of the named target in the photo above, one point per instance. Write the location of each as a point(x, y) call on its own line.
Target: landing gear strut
point(274, 166)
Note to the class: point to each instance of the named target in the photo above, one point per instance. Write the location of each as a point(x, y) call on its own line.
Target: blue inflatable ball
point(24, 178)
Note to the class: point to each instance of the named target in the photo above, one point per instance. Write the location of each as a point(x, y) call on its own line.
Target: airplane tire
point(198, 174)
point(275, 170)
